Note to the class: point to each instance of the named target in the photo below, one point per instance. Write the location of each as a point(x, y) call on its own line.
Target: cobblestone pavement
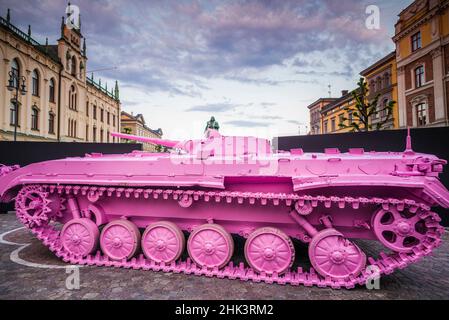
point(425, 280)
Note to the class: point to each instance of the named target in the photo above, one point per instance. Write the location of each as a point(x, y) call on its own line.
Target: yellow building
point(61, 103)
point(381, 78)
point(136, 125)
point(422, 55)
point(333, 114)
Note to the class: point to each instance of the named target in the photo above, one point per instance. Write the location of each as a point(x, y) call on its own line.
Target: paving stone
point(424, 280)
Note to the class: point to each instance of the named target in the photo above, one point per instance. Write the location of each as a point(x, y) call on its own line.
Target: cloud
point(210, 39)
point(247, 123)
point(265, 82)
point(214, 107)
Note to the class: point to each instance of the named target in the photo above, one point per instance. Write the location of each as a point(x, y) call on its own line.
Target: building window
point(13, 117)
point(101, 135)
point(107, 136)
point(34, 119)
point(101, 115)
point(94, 134)
point(73, 66)
point(113, 120)
point(384, 111)
point(95, 112)
point(421, 114)
point(72, 128)
point(340, 118)
point(379, 83)
point(416, 41)
point(51, 123)
point(107, 118)
point(325, 127)
point(333, 128)
point(350, 118)
point(372, 86)
point(387, 79)
point(15, 69)
point(375, 112)
point(73, 98)
point(35, 83)
point(419, 76)
point(87, 132)
point(51, 96)
point(87, 108)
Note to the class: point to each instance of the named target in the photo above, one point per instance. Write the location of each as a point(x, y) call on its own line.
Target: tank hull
point(135, 210)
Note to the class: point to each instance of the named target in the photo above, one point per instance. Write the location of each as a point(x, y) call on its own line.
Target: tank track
point(386, 263)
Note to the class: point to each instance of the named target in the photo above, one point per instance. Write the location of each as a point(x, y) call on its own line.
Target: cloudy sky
point(254, 65)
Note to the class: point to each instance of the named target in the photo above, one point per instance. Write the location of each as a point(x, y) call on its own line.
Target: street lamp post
point(14, 83)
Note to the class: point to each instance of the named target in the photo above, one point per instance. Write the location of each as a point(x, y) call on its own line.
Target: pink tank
point(149, 210)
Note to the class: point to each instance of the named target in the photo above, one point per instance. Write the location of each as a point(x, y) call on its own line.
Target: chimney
point(344, 92)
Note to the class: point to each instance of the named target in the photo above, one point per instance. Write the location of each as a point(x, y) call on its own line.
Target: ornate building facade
point(61, 102)
point(382, 83)
point(422, 55)
point(315, 114)
point(136, 125)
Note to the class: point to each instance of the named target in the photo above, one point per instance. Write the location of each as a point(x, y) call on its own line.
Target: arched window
point(387, 79)
point(51, 96)
point(35, 83)
point(419, 76)
point(34, 118)
point(51, 123)
point(15, 69)
point(73, 67)
point(72, 98)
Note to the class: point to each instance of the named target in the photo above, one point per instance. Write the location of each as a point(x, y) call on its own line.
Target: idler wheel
point(120, 239)
point(163, 242)
point(210, 245)
point(399, 231)
point(79, 237)
point(332, 255)
point(34, 206)
point(269, 250)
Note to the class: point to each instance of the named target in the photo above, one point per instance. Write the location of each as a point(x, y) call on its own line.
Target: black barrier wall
point(24, 153)
point(427, 140)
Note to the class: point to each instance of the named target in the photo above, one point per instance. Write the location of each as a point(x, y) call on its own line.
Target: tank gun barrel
point(162, 142)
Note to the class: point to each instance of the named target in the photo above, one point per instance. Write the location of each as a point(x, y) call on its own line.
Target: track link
point(385, 263)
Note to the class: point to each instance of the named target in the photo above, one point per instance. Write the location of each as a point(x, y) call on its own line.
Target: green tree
point(160, 148)
point(365, 110)
point(127, 130)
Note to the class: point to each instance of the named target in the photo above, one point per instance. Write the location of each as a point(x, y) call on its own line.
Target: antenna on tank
point(408, 143)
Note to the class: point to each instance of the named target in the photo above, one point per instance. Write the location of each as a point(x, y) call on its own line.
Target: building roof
point(377, 64)
point(139, 118)
point(338, 102)
point(310, 106)
point(47, 50)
